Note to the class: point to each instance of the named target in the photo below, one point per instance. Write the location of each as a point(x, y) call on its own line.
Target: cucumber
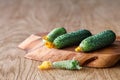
point(55, 33)
point(48, 40)
point(71, 39)
point(67, 64)
point(97, 41)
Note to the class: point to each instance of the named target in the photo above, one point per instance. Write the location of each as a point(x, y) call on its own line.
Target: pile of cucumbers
point(59, 38)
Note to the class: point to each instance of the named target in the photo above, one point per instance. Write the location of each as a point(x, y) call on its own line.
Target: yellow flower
point(45, 65)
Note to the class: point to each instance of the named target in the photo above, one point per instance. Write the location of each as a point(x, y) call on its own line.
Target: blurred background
point(33, 16)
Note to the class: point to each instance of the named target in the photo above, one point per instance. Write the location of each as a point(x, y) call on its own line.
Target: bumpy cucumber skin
point(55, 33)
point(71, 39)
point(67, 64)
point(98, 41)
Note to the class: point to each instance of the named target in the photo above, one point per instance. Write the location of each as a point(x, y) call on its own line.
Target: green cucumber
point(67, 64)
point(70, 39)
point(55, 33)
point(97, 41)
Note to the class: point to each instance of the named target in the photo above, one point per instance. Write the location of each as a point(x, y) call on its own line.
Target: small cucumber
point(55, 33)
point(67, 64)
point(48, 40)
point(97, 41)
point(71, 39)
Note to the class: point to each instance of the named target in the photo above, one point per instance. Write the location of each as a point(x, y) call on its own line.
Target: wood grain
point(20, 18)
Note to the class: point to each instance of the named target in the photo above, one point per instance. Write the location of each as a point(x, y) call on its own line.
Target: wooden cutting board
point(102, 58)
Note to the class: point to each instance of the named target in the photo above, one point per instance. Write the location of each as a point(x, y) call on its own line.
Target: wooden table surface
point(20, 18)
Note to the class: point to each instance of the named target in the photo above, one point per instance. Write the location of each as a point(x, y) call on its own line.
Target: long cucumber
point(70, 39)
point(97, 41)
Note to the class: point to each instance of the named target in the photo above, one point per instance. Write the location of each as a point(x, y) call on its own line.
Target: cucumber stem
point(49, 44)
point(78, 49)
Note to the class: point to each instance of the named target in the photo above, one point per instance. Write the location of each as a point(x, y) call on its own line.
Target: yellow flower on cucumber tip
point(45, 37)
point(78, 49)
point(45, 65)
point(49, 44)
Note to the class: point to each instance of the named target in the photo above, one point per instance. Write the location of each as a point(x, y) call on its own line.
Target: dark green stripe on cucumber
point(71, 39)
point(97, 41)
